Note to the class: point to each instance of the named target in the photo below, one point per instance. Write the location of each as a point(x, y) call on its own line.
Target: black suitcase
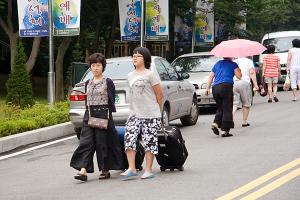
point(140, 152)
point(172, 151)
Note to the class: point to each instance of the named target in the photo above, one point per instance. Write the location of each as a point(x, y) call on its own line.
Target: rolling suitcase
point(140, 153)
point(172, 151)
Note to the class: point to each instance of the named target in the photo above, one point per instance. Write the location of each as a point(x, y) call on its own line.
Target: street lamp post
point(51, 73)
point(142, 23)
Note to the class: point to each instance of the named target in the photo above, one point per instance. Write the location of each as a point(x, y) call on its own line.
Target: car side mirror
point(78, 70)
point(185, 75)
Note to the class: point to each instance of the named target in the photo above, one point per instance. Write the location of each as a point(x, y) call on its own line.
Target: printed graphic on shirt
point(138, 87)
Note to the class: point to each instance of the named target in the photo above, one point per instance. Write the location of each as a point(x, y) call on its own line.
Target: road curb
point(39, 135)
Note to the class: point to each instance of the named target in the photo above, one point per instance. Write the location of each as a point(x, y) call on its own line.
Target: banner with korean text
point(33, 18)
point(204, 24)
point(66, 17)
point(157, 20)
point(130, 20)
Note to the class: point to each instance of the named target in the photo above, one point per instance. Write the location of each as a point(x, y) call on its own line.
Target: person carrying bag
point(98, 131)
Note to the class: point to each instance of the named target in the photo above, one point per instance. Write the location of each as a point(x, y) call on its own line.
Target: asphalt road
point(215, 167)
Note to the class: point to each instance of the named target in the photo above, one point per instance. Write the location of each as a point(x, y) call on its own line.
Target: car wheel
point(77, 131)
point(192, 118)
point(165, 116)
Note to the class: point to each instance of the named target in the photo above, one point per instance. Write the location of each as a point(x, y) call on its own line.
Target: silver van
point(180, 100)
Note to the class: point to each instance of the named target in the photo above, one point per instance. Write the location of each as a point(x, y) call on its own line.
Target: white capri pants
point(295, 76)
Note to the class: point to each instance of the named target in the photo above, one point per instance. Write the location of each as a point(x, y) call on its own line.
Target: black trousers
point(105, 143)
point(223, 95)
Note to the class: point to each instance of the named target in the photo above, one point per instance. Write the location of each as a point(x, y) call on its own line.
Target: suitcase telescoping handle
point(163, 130)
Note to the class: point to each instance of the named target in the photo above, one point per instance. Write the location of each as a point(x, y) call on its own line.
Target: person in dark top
point(221, 79)
point(100, 91)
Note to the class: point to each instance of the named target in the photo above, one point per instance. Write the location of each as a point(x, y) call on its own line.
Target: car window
point(163, 74)
point(114, 70)
point(171, 71)
point(202, 63)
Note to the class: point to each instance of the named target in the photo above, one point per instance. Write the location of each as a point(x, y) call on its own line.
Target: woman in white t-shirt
point(145, 113)
point(293, 66)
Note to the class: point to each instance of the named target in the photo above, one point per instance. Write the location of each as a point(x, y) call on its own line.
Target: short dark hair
point(296, 43)
point(146, 55)
point(97, 58)
point(271, 48)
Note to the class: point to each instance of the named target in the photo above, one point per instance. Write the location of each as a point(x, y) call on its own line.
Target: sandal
point(104, 176)
point(215, 129)
point(245, 125)
point(81, 177)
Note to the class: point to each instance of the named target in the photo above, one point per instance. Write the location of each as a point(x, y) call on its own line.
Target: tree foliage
point(19, 87)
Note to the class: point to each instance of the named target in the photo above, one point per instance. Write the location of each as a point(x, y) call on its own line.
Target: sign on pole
point(130, 20)
point(33, 18)
point(66, 17)
point(204, 24)
point(157, 20)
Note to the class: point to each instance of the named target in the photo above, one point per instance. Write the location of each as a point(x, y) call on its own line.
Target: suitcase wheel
point(181, 168)
point(162, 169)
point(140, 168)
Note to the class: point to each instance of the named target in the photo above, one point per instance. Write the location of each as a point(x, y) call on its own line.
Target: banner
point(157, 20)
point(33, 18)
point(66, 17)
point(130, 20)
point(204, 24)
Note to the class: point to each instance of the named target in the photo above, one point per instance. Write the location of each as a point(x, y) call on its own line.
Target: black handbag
point(97, 122)
point(263, 88)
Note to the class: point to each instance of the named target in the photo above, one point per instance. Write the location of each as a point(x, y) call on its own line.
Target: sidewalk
point(11, 142)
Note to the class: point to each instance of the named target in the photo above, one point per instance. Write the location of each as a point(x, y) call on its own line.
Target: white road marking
point(36, 147)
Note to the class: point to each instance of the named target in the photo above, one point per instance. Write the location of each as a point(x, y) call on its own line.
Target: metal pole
point(51, 73)
point(142, 23)
point(194, 28)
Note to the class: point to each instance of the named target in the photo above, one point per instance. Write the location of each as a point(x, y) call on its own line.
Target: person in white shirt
point(242, 88)
point(293, 66)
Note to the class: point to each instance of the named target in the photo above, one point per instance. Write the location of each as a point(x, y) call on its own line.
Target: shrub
point(37, 116)
point(19, 87)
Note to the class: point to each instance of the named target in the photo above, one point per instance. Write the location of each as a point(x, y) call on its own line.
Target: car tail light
point(77, 96)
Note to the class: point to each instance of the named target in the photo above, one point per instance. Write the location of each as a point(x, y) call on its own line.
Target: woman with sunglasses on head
point(145, 113)
point(100, 102)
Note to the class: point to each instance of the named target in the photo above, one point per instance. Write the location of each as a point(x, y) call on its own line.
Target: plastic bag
point(287, 83)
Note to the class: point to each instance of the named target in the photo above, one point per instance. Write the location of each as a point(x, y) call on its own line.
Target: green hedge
point(18, 120)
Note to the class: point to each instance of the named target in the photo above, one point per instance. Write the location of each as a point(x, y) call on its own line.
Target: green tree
point(19, 87)
point(9, 24)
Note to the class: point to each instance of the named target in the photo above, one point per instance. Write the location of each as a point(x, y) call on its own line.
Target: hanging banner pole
point(142, 22)
point(194, 28)
point(51, 73)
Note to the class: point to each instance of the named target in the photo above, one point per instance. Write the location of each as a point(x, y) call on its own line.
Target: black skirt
point(106, 144)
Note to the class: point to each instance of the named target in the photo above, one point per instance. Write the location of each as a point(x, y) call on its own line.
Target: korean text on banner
point(204, 24)
point(33, 18)
point(66, 17)
point(157, 20)
point(130, 20)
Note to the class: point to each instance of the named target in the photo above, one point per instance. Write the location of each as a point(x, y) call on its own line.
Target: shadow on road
point(205, 111)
